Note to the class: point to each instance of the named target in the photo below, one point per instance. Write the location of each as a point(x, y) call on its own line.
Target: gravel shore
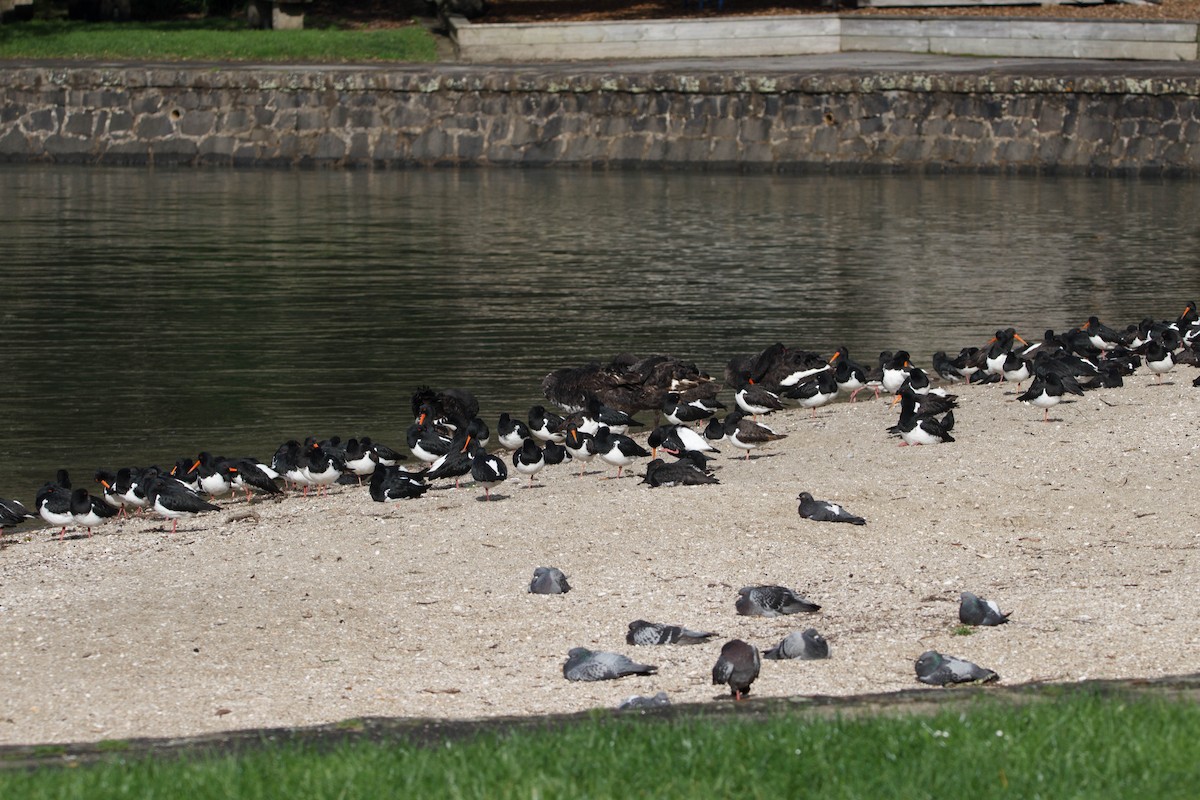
point(309, 610)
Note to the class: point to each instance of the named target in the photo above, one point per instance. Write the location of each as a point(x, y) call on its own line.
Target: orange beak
point(193, 469)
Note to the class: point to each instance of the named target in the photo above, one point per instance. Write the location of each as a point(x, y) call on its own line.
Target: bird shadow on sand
point(754, 457)
point(495, 498)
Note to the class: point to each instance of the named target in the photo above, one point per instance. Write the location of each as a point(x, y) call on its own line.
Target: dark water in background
point(148, 314)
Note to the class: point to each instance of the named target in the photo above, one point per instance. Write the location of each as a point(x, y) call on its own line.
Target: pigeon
point(737, 666)
point(938, 670)
point(549, 580)
point(638, 702)
point(642, 632)
point(600, 665)
point(974, 610)
point(807, 646)
point(825, 511)
point(771, 601)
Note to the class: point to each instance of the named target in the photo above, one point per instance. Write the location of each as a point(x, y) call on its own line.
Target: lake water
point(150, 314)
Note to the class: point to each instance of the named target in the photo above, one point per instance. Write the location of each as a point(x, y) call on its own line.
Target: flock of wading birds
point(599, 402)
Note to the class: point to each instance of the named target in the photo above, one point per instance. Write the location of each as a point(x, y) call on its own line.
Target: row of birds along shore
point(600, 402)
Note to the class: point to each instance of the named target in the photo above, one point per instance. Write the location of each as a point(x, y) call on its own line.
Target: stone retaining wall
point(781, 119)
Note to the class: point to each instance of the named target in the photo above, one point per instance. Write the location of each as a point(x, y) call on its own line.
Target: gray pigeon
point(548, 580)
point(771, 601)
point(974, 610)
point(599, 665)
point(825, 511)
point(737, 666)
point(642, 632)
point(638, 701)
point(807, 646)
point(938, 670)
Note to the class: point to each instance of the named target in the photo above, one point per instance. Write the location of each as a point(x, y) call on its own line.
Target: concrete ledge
point(816, 34)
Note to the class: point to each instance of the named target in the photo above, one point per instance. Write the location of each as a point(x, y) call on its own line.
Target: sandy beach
point(310, 610)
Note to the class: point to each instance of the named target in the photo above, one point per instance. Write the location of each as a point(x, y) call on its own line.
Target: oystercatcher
point(395, 483)
point(895, 371)
point(529, 460)
point(1159, 359)
point(579, 446)
point(746, 434)
point(755, 400)
point(53, 502)
point(616, 449)
point(12, 513)
point(918, 430)
point(545, 425)
point(511, 432)
point(1047, 390)
point(815, 392)
point(678, 412)
point(489, 471)
point(170, 498)
point(1101, 336)
point(90, 511)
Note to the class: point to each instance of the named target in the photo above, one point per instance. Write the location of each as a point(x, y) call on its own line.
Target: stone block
point(329, 147)
point(43, 120)
point(358, 149)
point(131, 153)
point(146, 103)
point(431, 145)
point(212, 146)
point(197, 123)
point(79, 124)
point(14, 146)
point(173, 151)
point(154, 126)
point(310, 119)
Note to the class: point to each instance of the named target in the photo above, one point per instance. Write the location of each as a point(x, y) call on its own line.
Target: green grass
point(209, 40)
point(1083, 746)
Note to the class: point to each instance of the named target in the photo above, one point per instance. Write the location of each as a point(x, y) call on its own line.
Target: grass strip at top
point(1082, 746)
point(210, 40)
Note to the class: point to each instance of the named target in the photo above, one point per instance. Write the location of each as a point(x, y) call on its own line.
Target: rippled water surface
point(147, 315)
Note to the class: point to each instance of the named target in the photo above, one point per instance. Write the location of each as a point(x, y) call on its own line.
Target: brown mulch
point(589, 10)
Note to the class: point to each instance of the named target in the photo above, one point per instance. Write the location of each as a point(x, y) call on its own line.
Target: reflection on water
point(151, 314)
